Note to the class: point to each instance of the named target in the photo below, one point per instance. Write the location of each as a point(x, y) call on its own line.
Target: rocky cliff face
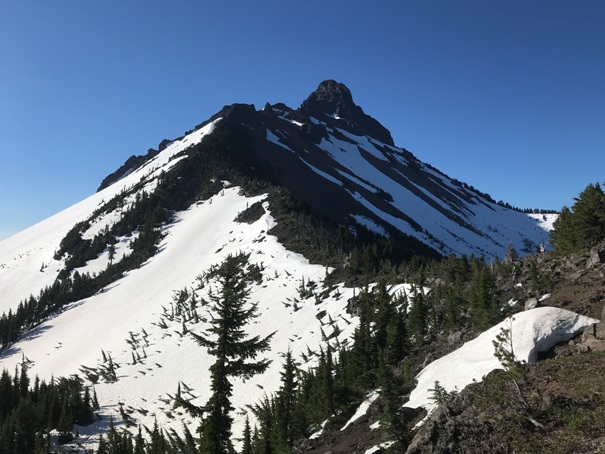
point(333, 99)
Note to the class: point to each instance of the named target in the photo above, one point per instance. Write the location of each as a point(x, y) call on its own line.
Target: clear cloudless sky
point(506, 96)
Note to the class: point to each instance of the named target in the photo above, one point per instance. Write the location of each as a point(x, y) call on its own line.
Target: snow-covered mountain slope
point(334, 160)
point(133, 318)
point(393, 189)
point(344, 164)
point(26, 259)
point(335, 164)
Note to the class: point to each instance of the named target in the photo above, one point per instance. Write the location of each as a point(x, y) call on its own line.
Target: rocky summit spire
point(334, 99)
point(330, 98)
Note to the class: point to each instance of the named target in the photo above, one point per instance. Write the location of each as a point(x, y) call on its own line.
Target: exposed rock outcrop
point(597, 256)
point(593, 337)
point(334, 99)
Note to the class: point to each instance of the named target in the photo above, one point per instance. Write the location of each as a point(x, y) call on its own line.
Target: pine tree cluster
point(581, 227)
point(29, 412)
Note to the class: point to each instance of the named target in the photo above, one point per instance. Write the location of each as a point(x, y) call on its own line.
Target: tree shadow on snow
point(32, 334)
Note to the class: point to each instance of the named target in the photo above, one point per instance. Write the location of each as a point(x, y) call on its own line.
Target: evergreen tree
point(390, 391)
point(28, 413)
point(247, 439)
point(454, 303)
point(579, 228)
point(265, 440)
point(484, 308)
point(589, 214)
point(398, 341)
point(418, 317)
point(384, 314)
point(563, 235)
point(511, 254)
point(363, 357)
point(234, 351)
point(286, 402)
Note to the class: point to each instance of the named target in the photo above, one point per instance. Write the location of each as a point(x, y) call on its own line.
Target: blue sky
point(506, 96)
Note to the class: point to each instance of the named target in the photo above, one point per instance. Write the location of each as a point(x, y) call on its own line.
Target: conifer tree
point(286, 400)
point(589, 211)
point(418, 316)
point(363, 353)
point(385, 313)
point(247, 438)
point(265, 413)
point(453, 305)
point(139, 443)
point(482, 295)
point(234, 351)
point(578, 229)
point(398, 341)
point(563, 235)
point(390, 391)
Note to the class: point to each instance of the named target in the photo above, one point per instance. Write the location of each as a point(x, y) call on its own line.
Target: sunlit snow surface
point(362, 410)
point(532, 332)
point(201, 236)
point(26, 259)
point(489, 228)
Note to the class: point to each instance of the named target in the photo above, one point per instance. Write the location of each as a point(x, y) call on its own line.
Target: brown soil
point(557, 407)
point(355, 439)
point(581, 290)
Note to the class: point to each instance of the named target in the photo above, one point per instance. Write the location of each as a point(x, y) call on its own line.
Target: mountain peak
point(334, 99)
point(331, 98)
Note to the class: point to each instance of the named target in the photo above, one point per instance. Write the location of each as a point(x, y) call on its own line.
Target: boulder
point(531, 303)
point(597, 256)
point(575, 263)
point(599, 330)
point(593, 335)
point(454, 338)
point(591, 345)
point(589, 332)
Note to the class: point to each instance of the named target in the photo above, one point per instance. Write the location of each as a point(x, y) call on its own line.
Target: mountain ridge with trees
point(294, 175)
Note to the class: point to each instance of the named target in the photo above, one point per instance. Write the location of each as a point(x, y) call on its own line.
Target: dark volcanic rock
point(131, 164)
point(251, 214)
point(334, 99)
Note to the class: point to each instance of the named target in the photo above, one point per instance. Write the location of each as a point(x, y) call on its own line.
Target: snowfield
point(127, 320)
point(135, 307)
point(533, 331)
point(26, 259)
point(505, 226)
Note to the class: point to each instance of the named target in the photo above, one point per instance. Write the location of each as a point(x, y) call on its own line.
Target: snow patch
point(532, 332)
point(135, 307)
point(370, 225)
point(274, 139)
point(323, 174)
point(362, 410)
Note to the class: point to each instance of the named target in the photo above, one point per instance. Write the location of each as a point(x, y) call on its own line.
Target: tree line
point(582, 226)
